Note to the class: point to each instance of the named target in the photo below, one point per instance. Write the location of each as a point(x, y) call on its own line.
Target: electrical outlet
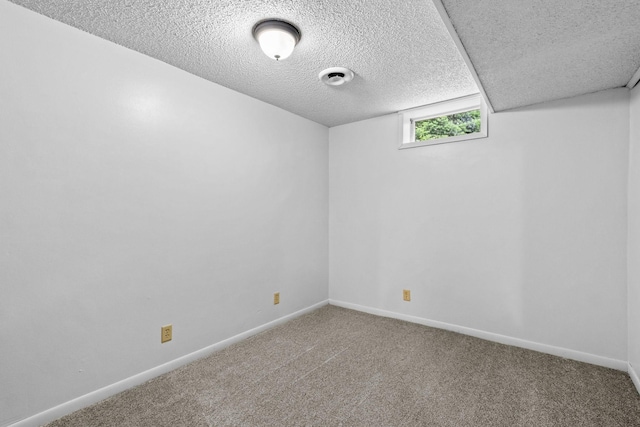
point(166, 333)
point(406, 294)
point(276, 298)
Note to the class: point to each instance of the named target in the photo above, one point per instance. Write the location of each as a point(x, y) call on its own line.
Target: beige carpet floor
point(337, 367)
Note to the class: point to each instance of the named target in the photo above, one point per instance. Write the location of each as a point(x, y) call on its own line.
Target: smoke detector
point(336, 76)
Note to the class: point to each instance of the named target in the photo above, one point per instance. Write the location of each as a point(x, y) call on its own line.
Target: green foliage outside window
point(446, 126)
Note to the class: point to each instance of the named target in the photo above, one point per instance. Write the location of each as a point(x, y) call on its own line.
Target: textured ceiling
point(400, 51)
point(530, 51)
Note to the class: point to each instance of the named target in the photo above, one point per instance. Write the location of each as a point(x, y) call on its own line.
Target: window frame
point(408, 118)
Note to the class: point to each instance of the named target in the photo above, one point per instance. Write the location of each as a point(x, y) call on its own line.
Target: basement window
point(456, 120)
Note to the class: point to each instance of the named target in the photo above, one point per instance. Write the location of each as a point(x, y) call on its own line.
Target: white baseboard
point(620, 365)
point(105, 392)
point(634, 377)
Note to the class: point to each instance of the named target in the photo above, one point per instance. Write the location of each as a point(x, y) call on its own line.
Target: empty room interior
point(421, 212)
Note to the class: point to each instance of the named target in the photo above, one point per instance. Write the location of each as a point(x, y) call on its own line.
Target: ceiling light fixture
point(277, 38)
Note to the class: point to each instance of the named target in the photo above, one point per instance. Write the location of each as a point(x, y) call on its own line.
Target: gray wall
point(634, 234)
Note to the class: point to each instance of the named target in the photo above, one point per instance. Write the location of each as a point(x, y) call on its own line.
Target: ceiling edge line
point(634, 80)
point(463, 52)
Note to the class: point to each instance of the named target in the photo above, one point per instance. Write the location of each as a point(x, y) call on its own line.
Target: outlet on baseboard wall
point(276, 298)
point(166, 333)
point(406, 295)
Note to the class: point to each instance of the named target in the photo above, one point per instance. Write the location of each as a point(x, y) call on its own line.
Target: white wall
point(634, 235)
point(522, 234)
point(134, 195)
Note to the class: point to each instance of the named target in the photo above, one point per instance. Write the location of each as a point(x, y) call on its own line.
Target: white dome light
point(277, 38)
